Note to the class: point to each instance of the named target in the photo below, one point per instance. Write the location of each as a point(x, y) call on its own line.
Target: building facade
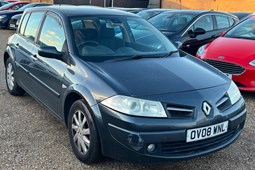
point(107, 3)
point(217, 5)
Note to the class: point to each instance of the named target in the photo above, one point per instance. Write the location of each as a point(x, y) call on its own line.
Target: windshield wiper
point(170, 53)
point(135, 57)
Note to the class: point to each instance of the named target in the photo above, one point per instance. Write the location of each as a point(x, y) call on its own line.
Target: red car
point(13, 6)
point(234, 54)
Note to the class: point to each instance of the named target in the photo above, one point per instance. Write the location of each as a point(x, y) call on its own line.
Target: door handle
point(34, 57)
point(17, 44)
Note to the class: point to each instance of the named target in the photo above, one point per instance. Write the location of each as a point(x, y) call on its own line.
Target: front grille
point(180, 111)
point(223, 104)
point(225, 67)
point(239, 84)
point(183, 148)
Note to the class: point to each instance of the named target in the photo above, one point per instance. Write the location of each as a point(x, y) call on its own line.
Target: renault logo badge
point(206, 108)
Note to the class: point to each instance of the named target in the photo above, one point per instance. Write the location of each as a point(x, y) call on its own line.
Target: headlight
point(252, 63)
point(233, 93)
point(201, 50)
point(17, 23)
point(135, 107)
point(2, 17)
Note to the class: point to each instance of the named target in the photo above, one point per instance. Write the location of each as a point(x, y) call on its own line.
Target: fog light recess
point(151, 148)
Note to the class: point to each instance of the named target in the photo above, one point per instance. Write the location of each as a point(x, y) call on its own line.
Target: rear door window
point(222, 22)
point(33, 25)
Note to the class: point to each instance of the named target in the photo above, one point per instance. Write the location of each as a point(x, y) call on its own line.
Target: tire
point(83, 133)
point(11, 79)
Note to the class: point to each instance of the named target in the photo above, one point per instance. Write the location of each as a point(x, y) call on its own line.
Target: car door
point(49, 72)
point(206, 23)
point(24, 45)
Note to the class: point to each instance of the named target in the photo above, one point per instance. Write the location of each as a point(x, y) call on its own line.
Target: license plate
point(206, 132)
point(12, 25)
point(228, 75)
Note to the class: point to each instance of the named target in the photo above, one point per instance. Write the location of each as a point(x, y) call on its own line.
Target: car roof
point(156, 10)
point(197, 12)
point(69, 10)
point(21, 2)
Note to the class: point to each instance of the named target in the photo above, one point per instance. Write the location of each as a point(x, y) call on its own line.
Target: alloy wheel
point(10, 76)
point(81, 132)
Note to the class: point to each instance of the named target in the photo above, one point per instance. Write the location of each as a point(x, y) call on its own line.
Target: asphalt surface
point(31, 138)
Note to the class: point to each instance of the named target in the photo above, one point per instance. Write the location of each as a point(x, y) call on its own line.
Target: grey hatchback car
point(120, 86)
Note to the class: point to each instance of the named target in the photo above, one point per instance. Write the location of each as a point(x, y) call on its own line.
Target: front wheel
point(10, 78)
point(83, 133)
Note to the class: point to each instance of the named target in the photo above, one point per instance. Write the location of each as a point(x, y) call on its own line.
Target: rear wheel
point(83, 133)
point(11, 81)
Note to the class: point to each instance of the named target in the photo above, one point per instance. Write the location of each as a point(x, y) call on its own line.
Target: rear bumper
point(122, 143)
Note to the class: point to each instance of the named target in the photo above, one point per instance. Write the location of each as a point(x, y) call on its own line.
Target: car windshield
point(115, 37)
point(148, 14)
point(6, 5)
point(171, 21)
point(245, 30)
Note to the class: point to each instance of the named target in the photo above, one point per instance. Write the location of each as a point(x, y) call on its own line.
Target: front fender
point(82, 91)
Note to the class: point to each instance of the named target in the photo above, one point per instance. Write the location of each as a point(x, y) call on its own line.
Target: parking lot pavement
point(31, 138)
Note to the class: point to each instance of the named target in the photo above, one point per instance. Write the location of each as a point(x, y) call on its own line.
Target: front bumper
point(127, 138)
point(4, 23)
point(13, 24)
point(245, 81)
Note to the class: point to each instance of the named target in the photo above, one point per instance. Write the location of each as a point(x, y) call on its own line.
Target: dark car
point(149, 13)
point(121, 96)
point(14, 21)
point(5, 16)
point(13, 6)
point(189, 29)
point(241, 15)
point(3, 3)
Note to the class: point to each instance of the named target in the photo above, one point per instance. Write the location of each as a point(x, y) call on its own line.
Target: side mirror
point(223, 33)
point(196, 32)
point(50, 52)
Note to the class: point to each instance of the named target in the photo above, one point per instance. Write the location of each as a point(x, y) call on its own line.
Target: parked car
point(189, 29)
point(5, 16)
point(3, 3)
point(141, 101)
point(149, 13)
point(233, 53)
point(13, 6)
point(14, 21)
point(241, 15)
